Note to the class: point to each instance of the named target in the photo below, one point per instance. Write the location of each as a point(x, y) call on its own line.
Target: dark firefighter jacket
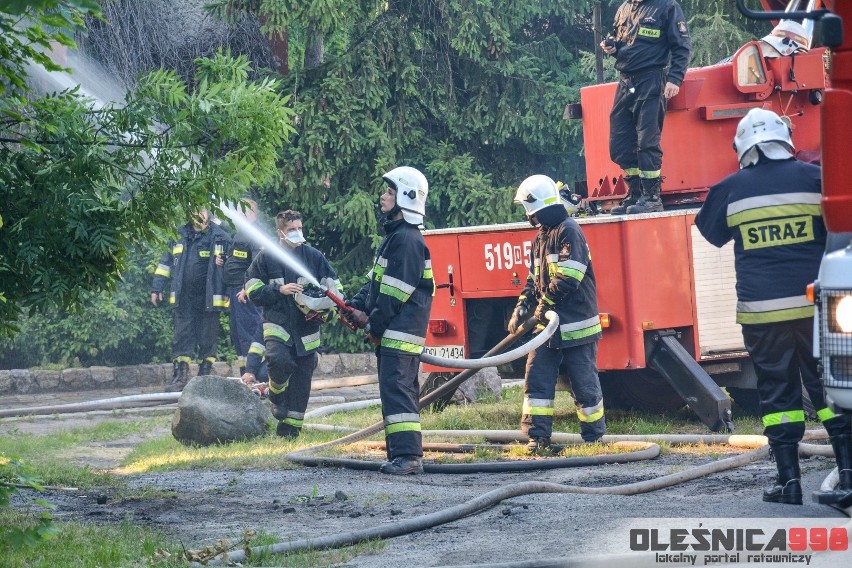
point(282, 319)
point(243, 250)
point(190, 247)
point(772, 212)
point(645, 32)
point(398, 297)
point(561, 273)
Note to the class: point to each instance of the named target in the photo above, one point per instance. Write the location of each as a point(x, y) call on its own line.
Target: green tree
point(82, 183)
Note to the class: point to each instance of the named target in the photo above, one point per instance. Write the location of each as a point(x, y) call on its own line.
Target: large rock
point(46, 380)
point(485, 385)
point(23, 381)
point(215, 410)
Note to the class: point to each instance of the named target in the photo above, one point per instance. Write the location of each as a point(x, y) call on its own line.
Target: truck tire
point(434, 381)
point(641, 389)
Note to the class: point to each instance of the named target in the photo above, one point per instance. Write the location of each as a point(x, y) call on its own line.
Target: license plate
point(450, 351)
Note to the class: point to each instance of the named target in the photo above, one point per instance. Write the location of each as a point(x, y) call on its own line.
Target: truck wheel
point(639, 390)
point(434, 381)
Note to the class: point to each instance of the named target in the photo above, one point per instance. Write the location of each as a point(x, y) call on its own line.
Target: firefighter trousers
point(636, 123)
point(782, 354)
point(289, 381)
point(195, 328)
point(399, 389)
point(540, 390)
point(247, 335)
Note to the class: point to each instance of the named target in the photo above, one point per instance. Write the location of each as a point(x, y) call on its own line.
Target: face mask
point(294, 237)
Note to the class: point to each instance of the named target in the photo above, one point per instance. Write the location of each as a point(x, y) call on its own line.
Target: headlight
point(842, 312)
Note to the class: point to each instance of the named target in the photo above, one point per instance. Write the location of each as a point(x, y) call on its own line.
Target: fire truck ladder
point(690, 381)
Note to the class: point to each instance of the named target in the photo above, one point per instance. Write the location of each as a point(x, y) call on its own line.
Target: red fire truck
point(667, 298)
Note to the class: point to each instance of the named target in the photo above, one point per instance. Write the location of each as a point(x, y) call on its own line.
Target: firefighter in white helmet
point(394, 308)
point(561, 279)
point(787, 38)
point(771, 210)
point(291, 331)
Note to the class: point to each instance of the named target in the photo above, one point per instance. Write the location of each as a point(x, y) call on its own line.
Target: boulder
point(23, 381)
point(485, 385)
point(46, 380)
point(216, 410)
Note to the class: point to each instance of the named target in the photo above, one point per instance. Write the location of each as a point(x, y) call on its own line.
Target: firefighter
point(562, 279)
point(394, 308)
point(245, 318)
point(195, 264)
point(771, 209)
point(645, 35)
point(291, 332)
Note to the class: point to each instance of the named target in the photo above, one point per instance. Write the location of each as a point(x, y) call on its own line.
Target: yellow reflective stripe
point(648, 32)
point(163, 270)
point(591, 413)
point(396, 288)
point(204, 253)
point(402, 427)
point(257, 348)
point(210, 359)
point(183, 359)
point(775, 316)
point(172, 298)
point(773, 212)
point(293, 422)
point(253, 285)
point(785, 417)
point(275, 331)
point(402, 346)
point(647, 174)
point(311, 341)
point(239, 253)
point(221, 301)
point(177, 249)
point(547, 300)
point(393, 292)
point(550, 200)
point(581, 333)
point(825, 414)
point(276, 388)
point(631, 171)
point(569, 272)
point(537, 407)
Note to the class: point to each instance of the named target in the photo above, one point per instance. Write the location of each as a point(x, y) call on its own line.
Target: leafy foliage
point(84, 181)
point(14, 474)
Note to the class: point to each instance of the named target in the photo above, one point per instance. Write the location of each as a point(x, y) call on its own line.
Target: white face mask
point(294, 237)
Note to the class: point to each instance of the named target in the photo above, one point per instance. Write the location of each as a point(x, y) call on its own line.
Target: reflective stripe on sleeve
point(537, 407)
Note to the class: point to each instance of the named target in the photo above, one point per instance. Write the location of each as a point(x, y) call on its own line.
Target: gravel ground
point(207, 506)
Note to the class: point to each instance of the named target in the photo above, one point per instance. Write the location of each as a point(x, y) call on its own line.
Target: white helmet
point(313, 301)
point(411, 191)
point(537, 192)
point(758, 126)
point(787, 38)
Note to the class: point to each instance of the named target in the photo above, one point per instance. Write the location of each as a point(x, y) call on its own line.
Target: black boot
point(842, 494)
point(287, 430)
point(205, 368)
point(402, 465)
point(542, 447)
point(650, 201)
point(634, 192)
point(180, 376)
point(279, 403)
point(788, 486)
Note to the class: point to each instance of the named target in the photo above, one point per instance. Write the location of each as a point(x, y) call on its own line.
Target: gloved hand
point(519, 316)
point(373, 339)
point(542, 308)
point(356, 317)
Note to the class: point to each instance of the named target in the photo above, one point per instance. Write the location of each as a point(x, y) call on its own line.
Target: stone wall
point(23, 381)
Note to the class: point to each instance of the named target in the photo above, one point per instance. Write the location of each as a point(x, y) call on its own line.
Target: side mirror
point(829, 30)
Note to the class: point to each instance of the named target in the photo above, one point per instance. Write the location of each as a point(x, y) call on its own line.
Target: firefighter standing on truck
point(394, 307)
point(245, 318)
point(771, 209)
point(291, 322)
point(645, 35)
point(561, 279)
point(194, 263)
